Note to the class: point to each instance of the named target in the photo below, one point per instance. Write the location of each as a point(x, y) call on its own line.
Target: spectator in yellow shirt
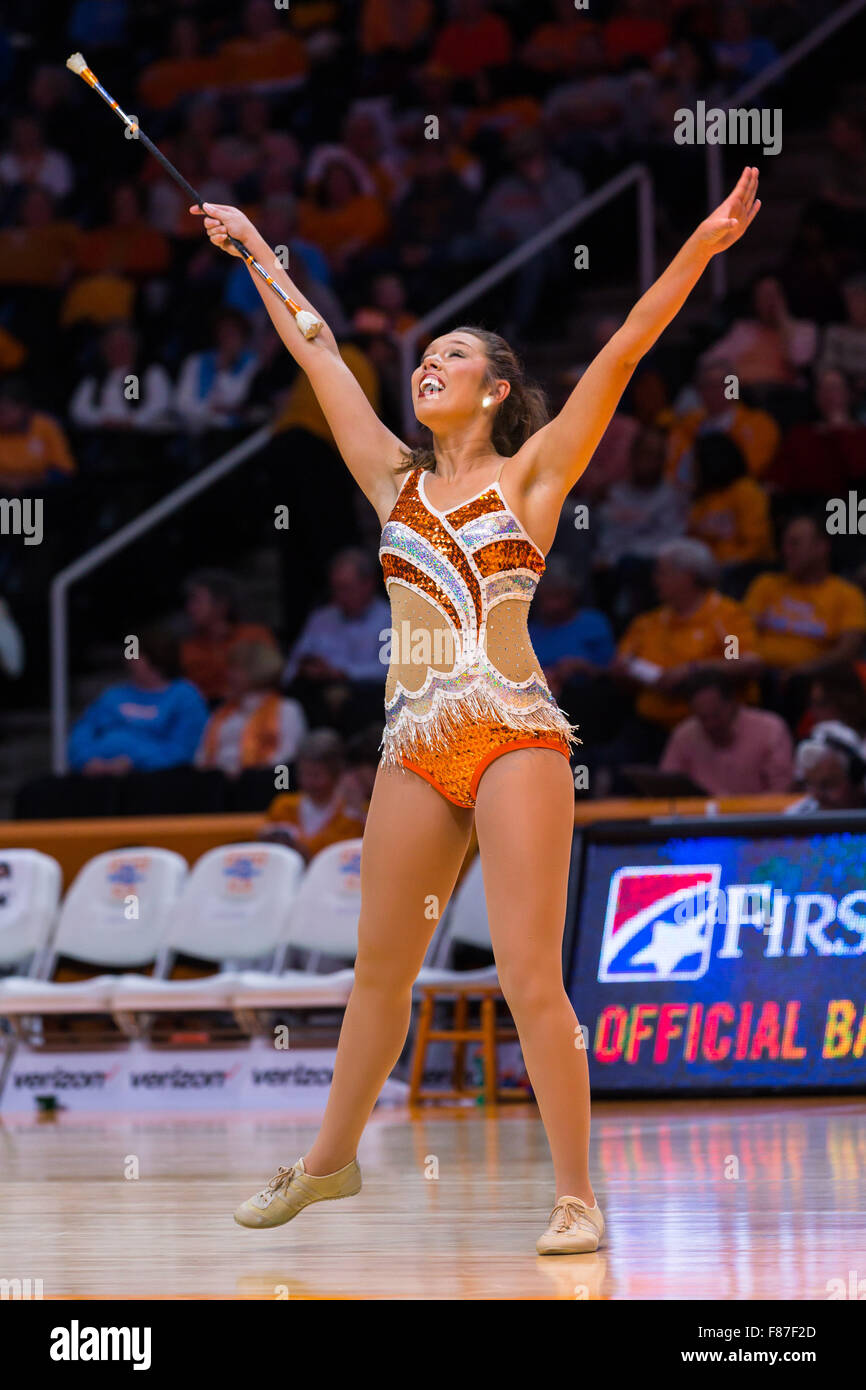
point(696, 629)
point(730, 512)
point(33, 447)
point(808, 620)
point(754, 432)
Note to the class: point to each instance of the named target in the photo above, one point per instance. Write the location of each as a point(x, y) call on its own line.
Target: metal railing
point(92, 559)
point(635, 174)
point(764, 79)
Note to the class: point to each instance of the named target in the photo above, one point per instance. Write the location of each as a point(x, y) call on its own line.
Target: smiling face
point(452, 380)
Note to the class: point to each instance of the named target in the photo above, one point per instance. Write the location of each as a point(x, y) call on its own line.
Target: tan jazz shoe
point(574, 1229)
point(292, 1189)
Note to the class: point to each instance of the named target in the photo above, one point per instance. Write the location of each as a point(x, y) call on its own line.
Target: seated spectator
point(537, 191)
point(214, 385)
point(399, 25)
point(101, 299)
point(317, 815)
point(126, 243)
point(153, 720)
point(267, 53)
point(338, 657)
point(39, 251)
point(569, 641)
point(635, 31)
point(831, 765)
point(838, 694)
point(185, 69)
point(730, 512)
point(844, 188)
point(386, 311)
point(252, 153)
point(108, 400)
point(472, 40)
point(770, 348)
point(363, 755)
point(726, 748)
point(844, 345)
point(807, 619)
point(638, 517)
point(554, 46)
point(28, 162)
point(255, 726)
point(433, 213)
point(696, 629)
point(368, 138)
point(739, 53)
point(34, 452)
point(826, 456)
point(754, 432)
point(215, 628)
point(339, 216)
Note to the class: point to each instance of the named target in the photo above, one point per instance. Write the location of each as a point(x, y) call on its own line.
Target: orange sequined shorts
point(456, 770)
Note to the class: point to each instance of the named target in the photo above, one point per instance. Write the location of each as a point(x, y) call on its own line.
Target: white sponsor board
point(254, 1076)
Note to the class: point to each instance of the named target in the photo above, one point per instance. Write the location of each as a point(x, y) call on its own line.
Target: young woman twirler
point(466, 526)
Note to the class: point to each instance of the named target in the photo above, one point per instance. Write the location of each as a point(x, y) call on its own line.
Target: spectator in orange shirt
point(730, 512)
point(754, 432)
point(215, 629)
point(186, 69)
point(33, 447)
point(268, 52)
point(635, 32)
point(339, 217)
point(400, 25)
point(317, 815)
point(473, 40)
point(554, 46)
point(696, 629)
point(127, 243)
point(808, 620)
point(39, 252)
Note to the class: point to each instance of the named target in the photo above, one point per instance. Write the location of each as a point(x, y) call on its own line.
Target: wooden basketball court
point(717, 1199)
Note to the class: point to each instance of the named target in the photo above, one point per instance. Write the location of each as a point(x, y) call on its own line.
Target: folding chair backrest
point(30, 884)
point(235, 904)
point(117, 910)
point(325, 914)
point(468, 915)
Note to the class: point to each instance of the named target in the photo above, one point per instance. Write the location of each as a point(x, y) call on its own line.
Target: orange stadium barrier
point(73, 842)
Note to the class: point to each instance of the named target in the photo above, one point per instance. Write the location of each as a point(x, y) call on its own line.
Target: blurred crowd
point(131, 353)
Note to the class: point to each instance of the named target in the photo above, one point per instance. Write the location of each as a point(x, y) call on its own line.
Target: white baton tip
point(308, 323)
point(76, 63)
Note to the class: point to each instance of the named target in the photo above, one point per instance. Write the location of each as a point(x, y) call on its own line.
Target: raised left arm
point(561, 450)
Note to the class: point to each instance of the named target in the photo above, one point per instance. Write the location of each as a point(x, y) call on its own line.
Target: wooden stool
point(459, 1035)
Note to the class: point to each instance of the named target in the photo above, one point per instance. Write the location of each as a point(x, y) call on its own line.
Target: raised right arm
point(371, 451)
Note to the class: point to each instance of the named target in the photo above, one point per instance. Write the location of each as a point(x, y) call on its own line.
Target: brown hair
point(519, 416)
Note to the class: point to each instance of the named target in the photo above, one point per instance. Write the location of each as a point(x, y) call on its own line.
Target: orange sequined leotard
point(464, 684)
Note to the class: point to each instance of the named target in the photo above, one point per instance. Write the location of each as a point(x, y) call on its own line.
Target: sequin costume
point(464, 684)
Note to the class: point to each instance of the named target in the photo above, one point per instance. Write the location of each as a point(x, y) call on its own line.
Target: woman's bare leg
point(524, 819)
point(414, 844)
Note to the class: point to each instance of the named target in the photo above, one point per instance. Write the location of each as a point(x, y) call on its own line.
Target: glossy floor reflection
point(714, 1199)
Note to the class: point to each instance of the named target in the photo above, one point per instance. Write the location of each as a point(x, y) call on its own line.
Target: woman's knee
point(530, 990)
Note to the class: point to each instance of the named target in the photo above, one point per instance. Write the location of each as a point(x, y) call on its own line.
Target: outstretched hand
point(730, 220)
point(221, 222)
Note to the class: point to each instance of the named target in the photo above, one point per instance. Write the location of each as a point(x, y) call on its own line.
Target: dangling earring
point(487, 402)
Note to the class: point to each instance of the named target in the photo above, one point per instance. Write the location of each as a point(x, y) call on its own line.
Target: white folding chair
point(234, 908)
point(30, 885)
point(323, 921)
point(114, 914)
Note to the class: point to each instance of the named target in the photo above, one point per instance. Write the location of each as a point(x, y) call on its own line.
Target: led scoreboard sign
point(732, 953)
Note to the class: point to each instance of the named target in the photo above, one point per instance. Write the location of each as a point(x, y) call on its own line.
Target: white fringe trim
point(433, 731)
